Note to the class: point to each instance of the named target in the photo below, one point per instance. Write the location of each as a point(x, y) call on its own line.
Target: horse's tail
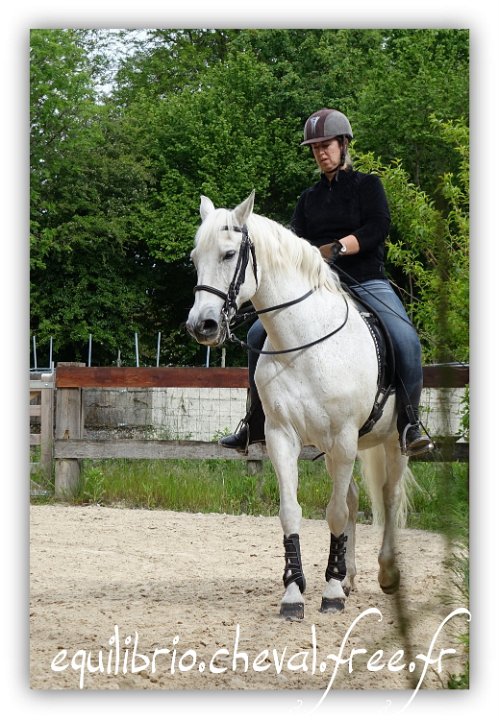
point(373, 470)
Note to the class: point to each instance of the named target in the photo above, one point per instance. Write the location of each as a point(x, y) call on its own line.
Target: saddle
point(385, 356)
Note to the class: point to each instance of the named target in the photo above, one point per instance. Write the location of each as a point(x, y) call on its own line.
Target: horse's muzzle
point(206, 331)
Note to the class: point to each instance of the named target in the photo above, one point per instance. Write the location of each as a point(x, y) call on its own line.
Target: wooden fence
point(70, 447)
point(41, 405)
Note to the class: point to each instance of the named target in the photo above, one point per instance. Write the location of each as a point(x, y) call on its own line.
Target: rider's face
point(327, 155)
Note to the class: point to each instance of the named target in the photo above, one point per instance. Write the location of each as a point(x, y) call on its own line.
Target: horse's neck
point(276, 290)
point(298, 318)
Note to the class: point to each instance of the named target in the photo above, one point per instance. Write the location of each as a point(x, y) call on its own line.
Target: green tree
point(60, 98)
point(116, 177)
point(414, 75)
point(89, 265)
point(429, 246)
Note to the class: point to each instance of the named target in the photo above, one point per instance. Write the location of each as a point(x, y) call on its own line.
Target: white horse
point(319, 394)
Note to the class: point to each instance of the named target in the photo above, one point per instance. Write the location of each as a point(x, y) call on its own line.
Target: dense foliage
point(128, 129)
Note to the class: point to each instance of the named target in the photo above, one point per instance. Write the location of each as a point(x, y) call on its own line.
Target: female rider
point(346, 216)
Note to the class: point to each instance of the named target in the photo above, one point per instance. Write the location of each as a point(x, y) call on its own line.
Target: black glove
point(336, 248)
point(330, 251)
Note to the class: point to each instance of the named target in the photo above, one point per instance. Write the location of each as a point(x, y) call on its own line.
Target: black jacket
point(353, 203)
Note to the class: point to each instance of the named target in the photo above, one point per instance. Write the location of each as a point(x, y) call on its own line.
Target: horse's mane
point(276, 246)
point(279, 247)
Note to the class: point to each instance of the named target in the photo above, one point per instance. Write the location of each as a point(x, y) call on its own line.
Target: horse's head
point(226, 268)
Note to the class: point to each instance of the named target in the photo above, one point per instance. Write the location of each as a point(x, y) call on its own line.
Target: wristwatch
point(343, 249)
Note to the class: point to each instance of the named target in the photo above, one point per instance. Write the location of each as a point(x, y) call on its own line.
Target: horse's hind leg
point(389, 574)
point(353, 507)
point(283, 453)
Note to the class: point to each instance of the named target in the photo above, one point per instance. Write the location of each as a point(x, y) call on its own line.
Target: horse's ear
point(244, 210)
point(206, 207)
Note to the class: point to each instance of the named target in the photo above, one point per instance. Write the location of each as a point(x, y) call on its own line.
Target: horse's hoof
point(292, 611)
point(332, 605)
point(393, 587)
point(346, 590)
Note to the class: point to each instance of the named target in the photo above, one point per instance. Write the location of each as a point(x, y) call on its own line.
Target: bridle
point(230, 297)
point(245, 249)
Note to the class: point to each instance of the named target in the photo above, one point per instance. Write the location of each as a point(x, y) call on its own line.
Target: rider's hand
point(331, 251)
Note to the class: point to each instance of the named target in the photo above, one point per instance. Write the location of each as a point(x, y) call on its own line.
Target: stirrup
point(418, 445)
point(239, 439)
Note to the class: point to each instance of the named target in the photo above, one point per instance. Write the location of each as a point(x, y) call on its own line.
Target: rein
point(233, 338)
point(230, 296)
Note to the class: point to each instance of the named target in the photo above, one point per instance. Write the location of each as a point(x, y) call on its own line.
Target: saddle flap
point(386, 361)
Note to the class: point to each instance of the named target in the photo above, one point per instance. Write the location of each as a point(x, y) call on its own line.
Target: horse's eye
point(229, 255)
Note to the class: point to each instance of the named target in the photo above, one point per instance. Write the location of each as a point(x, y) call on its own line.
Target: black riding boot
point(412, 440)
point(251, 428)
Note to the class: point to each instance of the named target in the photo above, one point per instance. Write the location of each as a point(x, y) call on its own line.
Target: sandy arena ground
point(164, 600)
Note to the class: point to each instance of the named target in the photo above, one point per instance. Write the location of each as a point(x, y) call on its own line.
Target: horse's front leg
point(283, 451)
point(341, 514)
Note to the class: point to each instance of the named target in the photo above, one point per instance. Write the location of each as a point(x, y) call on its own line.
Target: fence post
point(47, 424)
point(68, 426)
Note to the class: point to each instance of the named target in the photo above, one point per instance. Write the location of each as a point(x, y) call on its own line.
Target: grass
point(225, 486)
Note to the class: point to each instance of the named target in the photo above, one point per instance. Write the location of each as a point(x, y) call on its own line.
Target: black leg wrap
point(336, 566)
point(293, 571)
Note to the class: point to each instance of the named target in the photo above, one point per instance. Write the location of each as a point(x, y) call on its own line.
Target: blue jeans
point(380, 296)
